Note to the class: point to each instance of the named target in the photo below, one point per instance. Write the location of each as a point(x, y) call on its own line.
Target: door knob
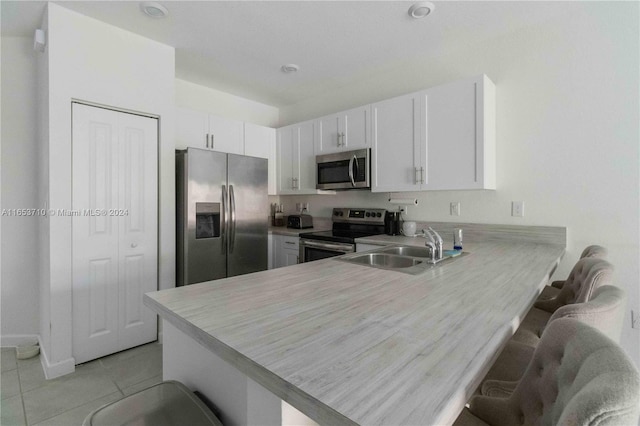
point(134, 245)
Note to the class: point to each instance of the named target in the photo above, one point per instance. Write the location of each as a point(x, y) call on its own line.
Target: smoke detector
point(153, 9)
point(421, 9)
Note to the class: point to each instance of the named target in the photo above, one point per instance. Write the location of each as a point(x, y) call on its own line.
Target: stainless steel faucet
point(435, 243)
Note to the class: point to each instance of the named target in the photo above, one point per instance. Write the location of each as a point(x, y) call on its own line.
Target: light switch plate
point(517, 208)
point(454, 208)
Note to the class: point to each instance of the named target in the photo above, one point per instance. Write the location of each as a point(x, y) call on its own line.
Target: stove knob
point(367, 214)
point(378, 214)
point(336, 213)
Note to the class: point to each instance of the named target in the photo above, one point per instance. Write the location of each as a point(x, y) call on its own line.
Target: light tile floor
point(29, 399)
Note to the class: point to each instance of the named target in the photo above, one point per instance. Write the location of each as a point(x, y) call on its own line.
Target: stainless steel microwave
point(344, 170)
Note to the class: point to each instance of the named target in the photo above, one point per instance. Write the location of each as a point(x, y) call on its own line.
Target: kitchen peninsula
point(351, 344)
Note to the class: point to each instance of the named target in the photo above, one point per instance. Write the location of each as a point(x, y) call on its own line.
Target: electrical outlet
point(454, 208)
point(306, 207)
point(635, 319)
point(517, 208)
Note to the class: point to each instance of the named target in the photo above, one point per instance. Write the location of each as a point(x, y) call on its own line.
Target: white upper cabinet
point(295, 159)
point(226, 135)
point(197, 129)
point(347, 130)
point(460, 128)
point(442, 138)
point(192, 129)
point(399, 154)
point(260, 141)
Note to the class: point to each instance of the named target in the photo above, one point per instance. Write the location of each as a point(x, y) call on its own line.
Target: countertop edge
point(270, 381)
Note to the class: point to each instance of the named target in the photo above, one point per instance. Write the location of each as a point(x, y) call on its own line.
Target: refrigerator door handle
point(223, 222)
point(232, 219)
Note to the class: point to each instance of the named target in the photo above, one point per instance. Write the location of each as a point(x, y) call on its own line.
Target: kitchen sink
point(409, 251)
point(408, 259)
point(386, 260)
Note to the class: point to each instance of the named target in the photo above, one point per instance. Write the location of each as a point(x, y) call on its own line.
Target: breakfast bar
point(351, 344)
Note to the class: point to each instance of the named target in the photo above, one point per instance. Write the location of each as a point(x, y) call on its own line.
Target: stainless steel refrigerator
point(222, 215)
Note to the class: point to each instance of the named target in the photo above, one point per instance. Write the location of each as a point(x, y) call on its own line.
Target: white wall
point(195, 96)
point(567, 134)
point(19, 271)
point(96, 62)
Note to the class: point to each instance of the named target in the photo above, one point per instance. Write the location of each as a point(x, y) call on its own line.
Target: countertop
point(290, 232)
point(346, 343)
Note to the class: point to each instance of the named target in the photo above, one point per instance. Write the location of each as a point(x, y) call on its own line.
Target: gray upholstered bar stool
point(586, 276)
point(551, 291)
point(169, 403)
point(605, 312)
point(577, 376)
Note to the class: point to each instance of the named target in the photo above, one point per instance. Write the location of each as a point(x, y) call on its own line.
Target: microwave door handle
point(353, 183)
point(355, 163)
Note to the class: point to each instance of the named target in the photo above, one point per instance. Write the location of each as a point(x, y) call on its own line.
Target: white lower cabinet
point(286, 250)
point(115, 233)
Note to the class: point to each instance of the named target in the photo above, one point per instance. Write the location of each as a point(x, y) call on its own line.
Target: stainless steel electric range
point(348, 224)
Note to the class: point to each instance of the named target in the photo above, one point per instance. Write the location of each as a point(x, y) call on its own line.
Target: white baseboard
point(14, 340)
point(53, 370)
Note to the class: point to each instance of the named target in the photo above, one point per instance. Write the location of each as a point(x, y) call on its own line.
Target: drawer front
point(291, 243)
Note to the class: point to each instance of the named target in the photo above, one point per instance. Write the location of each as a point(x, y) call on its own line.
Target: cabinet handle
point(289, 242)
point(207, 140)
point(421, 174)
point(212, 139)
point(343, 138)
point(415, 175)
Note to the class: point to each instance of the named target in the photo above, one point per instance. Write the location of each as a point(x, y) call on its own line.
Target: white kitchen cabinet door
point(399, 150)
point(192, 129)
point(114, 230)
point(197, 129)
point(260, 141)
point(286, 250)
point(460, 135)
point(306, 158)
point(296, 159)
point(226, 135)
point(287, 149)
point(344, 131)
point(329, 138)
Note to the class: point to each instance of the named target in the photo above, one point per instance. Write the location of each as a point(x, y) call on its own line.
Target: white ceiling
point(239, 46)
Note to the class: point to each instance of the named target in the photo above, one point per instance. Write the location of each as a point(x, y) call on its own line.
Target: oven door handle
point(329, 246)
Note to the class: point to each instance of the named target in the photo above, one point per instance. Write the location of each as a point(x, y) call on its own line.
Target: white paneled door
point(114, 226)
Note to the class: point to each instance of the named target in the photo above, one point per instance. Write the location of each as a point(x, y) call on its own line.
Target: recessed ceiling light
point(421, 9)
point(289, 68)
point(153, 9)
